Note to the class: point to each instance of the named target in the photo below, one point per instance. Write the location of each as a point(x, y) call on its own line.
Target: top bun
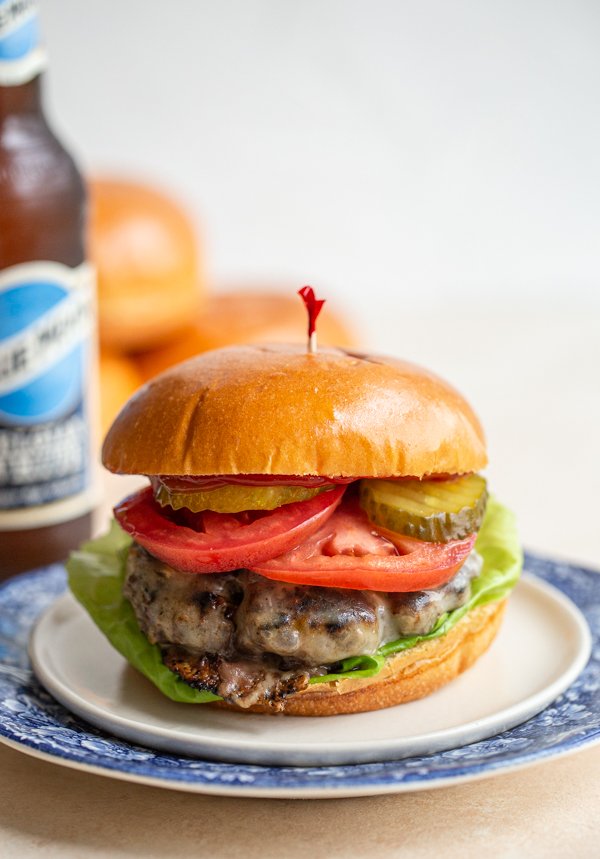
point(280, 410)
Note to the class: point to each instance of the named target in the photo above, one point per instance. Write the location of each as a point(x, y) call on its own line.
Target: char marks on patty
point(243, 682)
point(251, 640)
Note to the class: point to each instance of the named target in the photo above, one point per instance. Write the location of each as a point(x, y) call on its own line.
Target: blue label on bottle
point(21, 55)
point(42, 327)
point(46, 314)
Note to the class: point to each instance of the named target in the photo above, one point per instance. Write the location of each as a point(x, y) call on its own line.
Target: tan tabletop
point(550, 810)
point(534, 381)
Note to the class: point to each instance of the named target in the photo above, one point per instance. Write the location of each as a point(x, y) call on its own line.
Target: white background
point(432, 167)
point(430, 153)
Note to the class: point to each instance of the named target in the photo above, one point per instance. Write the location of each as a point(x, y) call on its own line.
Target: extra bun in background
point(245, 316)
point(119, 379)
point(145, 250)
point(280, 410)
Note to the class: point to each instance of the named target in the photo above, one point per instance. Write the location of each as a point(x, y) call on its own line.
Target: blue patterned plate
point(35, 723)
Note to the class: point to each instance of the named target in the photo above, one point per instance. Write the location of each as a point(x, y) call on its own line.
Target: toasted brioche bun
point(233, 317)
point(280, 410)
point(145, 250)
point(406, 676)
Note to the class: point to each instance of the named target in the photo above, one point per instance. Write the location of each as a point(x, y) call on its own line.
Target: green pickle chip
point(236, 498)
point(433, 510)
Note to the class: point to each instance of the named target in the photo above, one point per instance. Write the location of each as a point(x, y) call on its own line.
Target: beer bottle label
point(47, 360)
point(22, 57)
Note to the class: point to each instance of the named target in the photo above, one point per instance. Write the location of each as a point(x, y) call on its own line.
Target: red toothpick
point(313, 307)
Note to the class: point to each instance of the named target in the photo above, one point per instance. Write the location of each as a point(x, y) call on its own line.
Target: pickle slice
point(433, 510)
point(236, 498)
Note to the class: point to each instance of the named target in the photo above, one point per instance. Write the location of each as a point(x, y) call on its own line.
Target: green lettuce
point(97, 570)
point(96, 574)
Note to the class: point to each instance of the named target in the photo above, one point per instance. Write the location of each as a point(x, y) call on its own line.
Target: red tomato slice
point(219, 542)
point(348, 552)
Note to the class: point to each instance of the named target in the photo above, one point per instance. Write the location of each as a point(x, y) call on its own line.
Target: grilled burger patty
point(249, 639)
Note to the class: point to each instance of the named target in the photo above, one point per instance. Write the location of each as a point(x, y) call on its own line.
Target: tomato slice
point(348, 552)
point(219, 542)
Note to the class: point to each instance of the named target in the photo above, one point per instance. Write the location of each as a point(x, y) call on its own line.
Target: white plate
point(543, 645)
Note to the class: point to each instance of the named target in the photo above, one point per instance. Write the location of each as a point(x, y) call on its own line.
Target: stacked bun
point(145, 250)
point(146, 255)
point(153, 306)
point(251, 315)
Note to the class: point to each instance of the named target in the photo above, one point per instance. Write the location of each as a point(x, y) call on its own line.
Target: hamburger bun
point(145, 251)
point(280, 410)
point(243, 316)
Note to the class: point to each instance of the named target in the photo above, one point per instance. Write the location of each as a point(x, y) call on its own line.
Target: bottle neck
point(23, 99)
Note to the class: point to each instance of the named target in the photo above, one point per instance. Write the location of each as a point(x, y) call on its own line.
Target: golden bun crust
point(145, 250)
point(280, 410)
point(244, 316)
point(405, 677)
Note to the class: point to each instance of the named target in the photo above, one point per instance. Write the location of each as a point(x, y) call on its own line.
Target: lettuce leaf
point(97, 570)
point(96, 574)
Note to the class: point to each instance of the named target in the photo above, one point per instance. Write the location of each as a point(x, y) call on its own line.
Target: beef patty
point(250, 639)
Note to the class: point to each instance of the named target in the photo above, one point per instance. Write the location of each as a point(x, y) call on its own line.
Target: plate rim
point(287, 792)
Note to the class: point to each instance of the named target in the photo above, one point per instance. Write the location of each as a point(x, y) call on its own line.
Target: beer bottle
point(46, 318)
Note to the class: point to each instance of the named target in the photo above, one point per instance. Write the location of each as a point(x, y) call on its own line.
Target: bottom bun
point(405, 676)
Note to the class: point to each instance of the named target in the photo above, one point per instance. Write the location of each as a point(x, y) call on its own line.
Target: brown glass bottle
point(42, 214)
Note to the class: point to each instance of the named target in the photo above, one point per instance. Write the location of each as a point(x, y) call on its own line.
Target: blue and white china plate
point(542, 647)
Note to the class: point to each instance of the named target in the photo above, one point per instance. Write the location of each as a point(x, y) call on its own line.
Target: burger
point(315, 537)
